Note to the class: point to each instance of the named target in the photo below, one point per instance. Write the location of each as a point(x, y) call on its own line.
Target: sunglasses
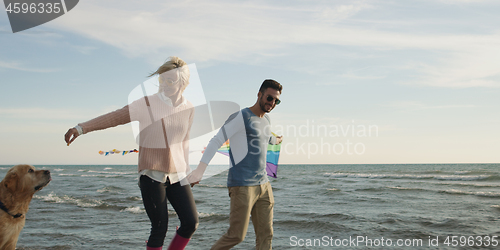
point(270, 98)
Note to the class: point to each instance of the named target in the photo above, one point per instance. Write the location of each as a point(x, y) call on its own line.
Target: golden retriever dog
point(16, 191)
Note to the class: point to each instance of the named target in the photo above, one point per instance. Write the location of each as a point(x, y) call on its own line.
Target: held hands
point(71, 135)
point(195, 176)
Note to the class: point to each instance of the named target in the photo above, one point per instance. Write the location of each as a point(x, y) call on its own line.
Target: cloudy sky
point(375, 81)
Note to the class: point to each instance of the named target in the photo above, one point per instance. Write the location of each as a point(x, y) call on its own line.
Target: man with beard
point(251, 193)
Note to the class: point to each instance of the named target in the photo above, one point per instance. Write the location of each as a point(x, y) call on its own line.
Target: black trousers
point(154, 197)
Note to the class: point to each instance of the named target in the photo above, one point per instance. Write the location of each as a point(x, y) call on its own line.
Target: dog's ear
point(10, 181)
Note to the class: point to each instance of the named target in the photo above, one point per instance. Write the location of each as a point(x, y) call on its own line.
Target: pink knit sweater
point(164, 132)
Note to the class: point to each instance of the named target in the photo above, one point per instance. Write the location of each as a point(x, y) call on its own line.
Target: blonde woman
point(165, 120)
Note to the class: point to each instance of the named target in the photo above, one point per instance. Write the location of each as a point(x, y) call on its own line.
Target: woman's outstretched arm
point(111, 119)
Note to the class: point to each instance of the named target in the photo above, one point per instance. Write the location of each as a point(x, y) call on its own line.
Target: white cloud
point(50, 114)
point(469, 68)
point(334, 14)
point(216, 29)
point(467, 1)
point(236, 31)
point(24, 67)
point(414, 105)
point(203, 30)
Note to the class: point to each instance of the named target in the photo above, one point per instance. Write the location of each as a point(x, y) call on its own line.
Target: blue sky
point(423, 75)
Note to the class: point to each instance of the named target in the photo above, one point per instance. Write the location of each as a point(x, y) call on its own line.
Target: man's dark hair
point(270, 83)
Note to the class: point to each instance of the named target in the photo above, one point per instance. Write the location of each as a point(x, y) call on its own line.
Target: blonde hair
point(173, 63)
point(181, 68)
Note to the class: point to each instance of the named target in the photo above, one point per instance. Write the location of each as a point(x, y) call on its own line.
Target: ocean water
point(445, 206)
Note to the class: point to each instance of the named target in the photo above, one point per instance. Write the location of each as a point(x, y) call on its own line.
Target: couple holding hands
point(165, 120)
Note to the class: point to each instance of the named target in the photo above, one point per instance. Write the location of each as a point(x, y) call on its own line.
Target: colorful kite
point(273, 155)
point(224, 149)
point(114, 151)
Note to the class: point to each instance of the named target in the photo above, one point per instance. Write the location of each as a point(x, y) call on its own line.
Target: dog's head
point(24, 179)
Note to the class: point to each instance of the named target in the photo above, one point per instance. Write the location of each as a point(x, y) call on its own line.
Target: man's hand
point(279, 139)
point(195, 176)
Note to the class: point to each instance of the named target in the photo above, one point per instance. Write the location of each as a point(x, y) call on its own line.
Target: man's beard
point(263, 105)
